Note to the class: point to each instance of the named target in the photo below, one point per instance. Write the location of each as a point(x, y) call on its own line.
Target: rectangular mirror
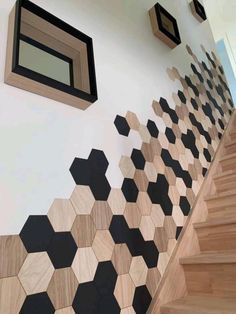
point(38, 58)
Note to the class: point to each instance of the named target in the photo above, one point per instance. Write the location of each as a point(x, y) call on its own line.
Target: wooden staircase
point(211, 275)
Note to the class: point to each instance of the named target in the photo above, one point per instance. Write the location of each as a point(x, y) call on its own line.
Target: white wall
point(40, 137)
point(221, 15)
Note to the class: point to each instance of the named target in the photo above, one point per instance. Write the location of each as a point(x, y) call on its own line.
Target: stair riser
point(228, 164)
point(211, 279)
point(225, 202)
point(225, 184)
point(183, 311)
point(231, 149)
point(217, 238)
point(216, 213)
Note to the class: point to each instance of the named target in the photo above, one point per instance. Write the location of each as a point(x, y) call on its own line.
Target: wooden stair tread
point(215, 222)
point(231, 143)
point(223, 257)
point(221, 195)
point(200, 305)
point(224, 174)
point(228, 156)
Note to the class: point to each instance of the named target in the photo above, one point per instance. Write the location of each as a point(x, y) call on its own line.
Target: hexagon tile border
point(105, 250)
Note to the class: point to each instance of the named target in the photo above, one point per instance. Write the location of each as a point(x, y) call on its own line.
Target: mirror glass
point(34, 57)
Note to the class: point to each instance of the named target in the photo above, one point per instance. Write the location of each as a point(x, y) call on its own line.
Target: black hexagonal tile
point(100, 186)
point(207, 154)
point(98, 161)
point(178, 231)
point(150, 254)
point(184, 205)
point(158, 193)
point(37, 234)
point(119, 229)
point(81, 171)
point(122, 125)
point(189, 142)
point(86, 299)
point(135, 242)
point(37, 304)
point(182, 97)
point(105, 279)
point(194, 104)
point(152, 128)
point(62, 249)
point(130, 190)
point(138, 159)
point(142, 300)
point(170, 135)
point(108, 305)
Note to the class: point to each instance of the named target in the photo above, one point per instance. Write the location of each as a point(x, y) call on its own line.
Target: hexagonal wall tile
point(103, 245)
point(36, 273)
point(85, 264)
point(83, 230)
point(138, 271)
point(121, 259)
point(62, 288)
point(82, 200)
point(124, 291)
point(12, 255)
point(61, 215)
point(102, 215)
point(116, 201)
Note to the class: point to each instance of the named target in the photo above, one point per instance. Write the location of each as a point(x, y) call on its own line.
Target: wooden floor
point(211, 275)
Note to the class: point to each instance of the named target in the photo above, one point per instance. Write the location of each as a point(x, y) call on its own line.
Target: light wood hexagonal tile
point(144, 133)
point(124, 291)
point(61, 215)
point(138, 271)
point(116, 201)
point(82, 199)
point(121, 259)
point(67, 310)
point(12, 255)
point(157, 215)
point(132, 215)
point(153, 279)
point(147, 228)
point(161, 239)
point(170, 227)
point(85, 264)
point(144, 204)
point(178, 216)
point(132, 120)
point(127, 167)
point(83, 230)
point(103, 245)
point(12, 295)
point(163, 262)
point(141, 180)
point(36, 273)
point(102, 215)
point(62, 288)
point(150, 171)
point(128, 310)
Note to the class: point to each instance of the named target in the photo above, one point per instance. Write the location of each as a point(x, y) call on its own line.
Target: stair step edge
point(210, 258)
point(215, 223)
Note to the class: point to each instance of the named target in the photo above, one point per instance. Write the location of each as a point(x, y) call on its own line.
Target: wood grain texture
point(103, 245)
point(62, 288)
point(138, 271)
point(144, 204)
point(200, 305)
point(102, 215)
point(82, 199)
point(61, 215)
point(128, 310)
point(132, 215)
point(172, 285)
point(83, 230)
point(116, 201)
point(85, 264)
point(12, 255)
point(153, 279)
point(132, 120)
point(121, 259)
point(124, 291)
point(12, 295)
point(36, 273)
point(147, 228)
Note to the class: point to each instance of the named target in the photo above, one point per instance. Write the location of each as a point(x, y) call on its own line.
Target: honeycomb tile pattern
point(105, 249)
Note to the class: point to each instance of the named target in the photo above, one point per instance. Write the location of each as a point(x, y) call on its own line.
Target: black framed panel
point(199, 8)
point(17, 68)
point(164, 16)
